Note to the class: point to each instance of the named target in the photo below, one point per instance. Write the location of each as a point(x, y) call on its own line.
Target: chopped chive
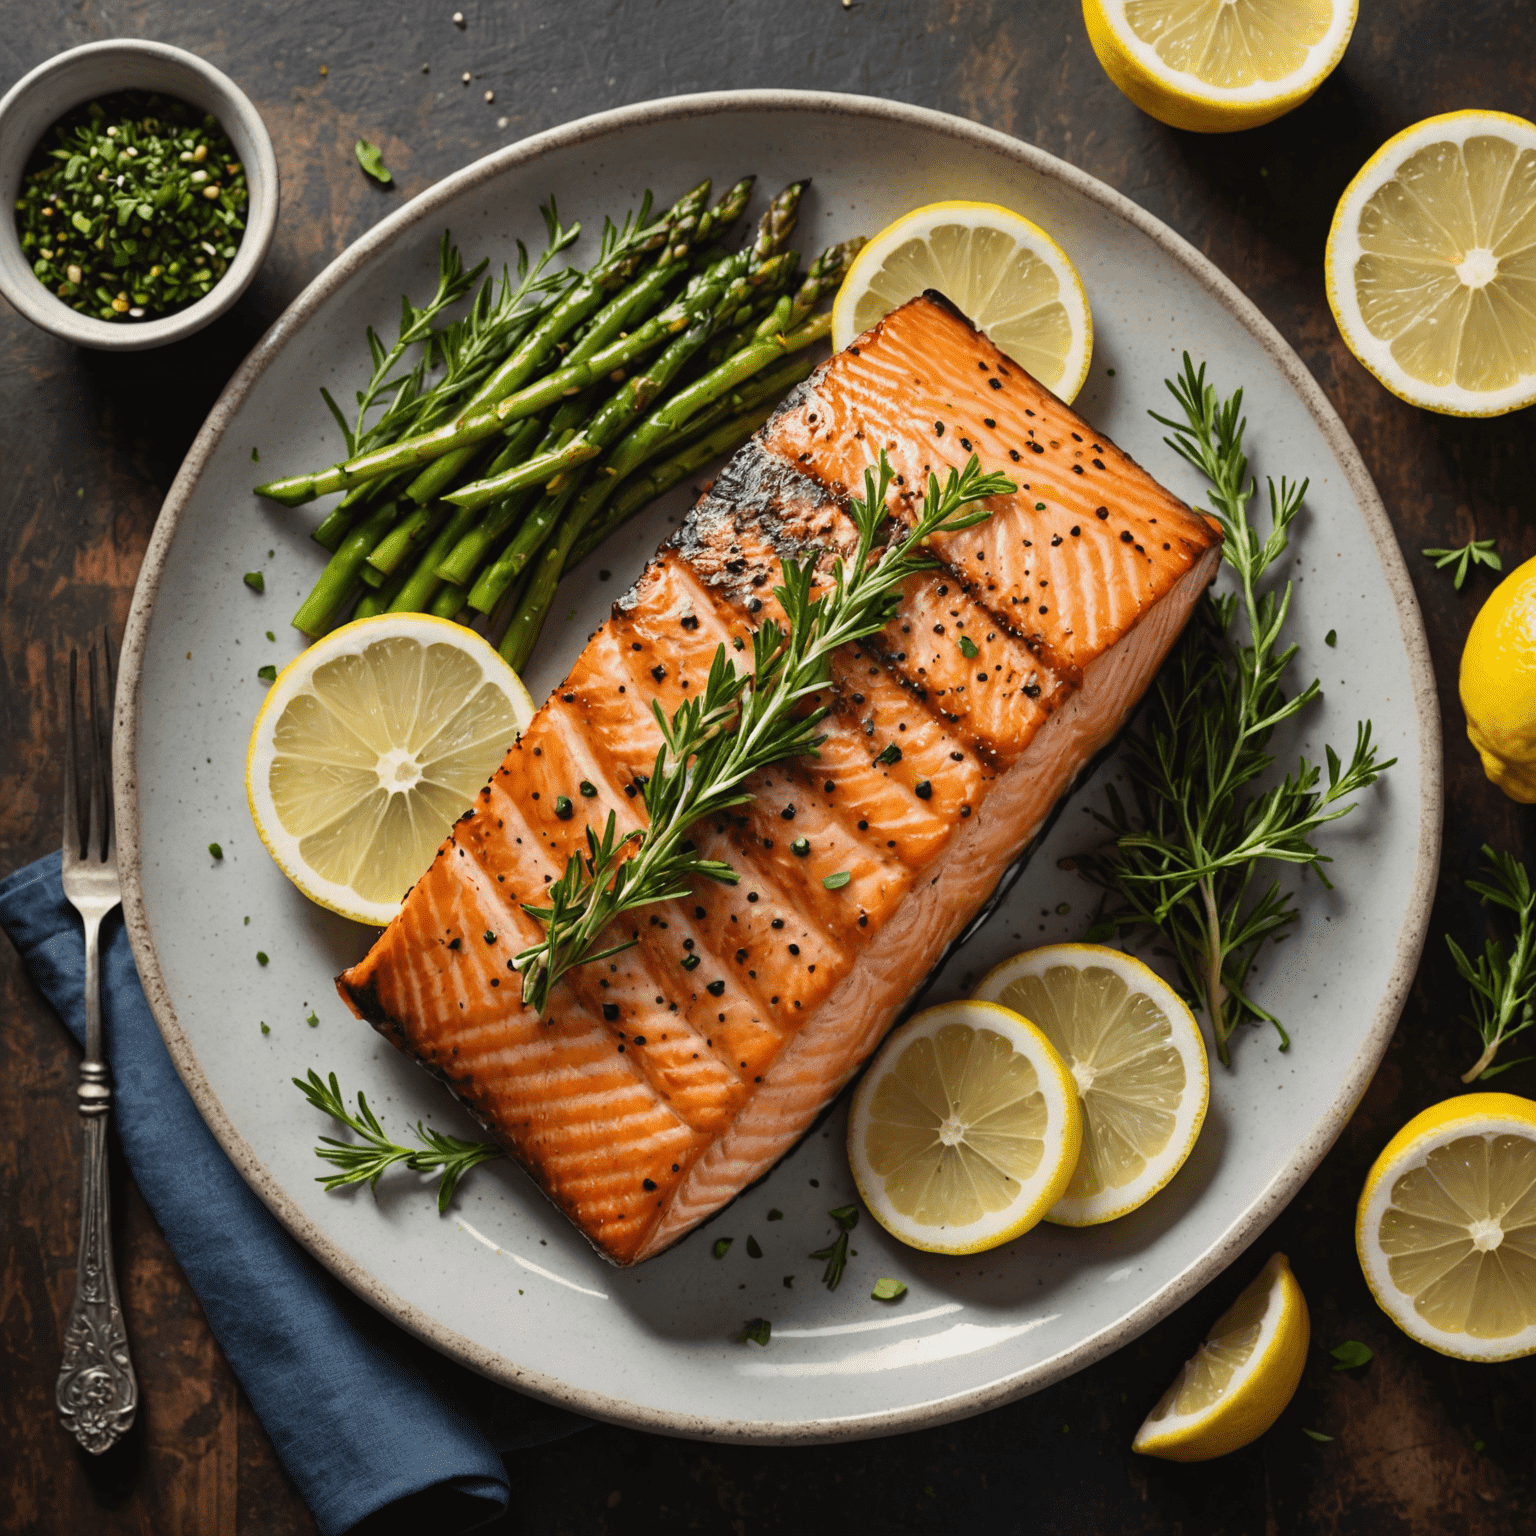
point(838, 881)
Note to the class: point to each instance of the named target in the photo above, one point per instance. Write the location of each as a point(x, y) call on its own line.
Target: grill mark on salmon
point(653, 1092)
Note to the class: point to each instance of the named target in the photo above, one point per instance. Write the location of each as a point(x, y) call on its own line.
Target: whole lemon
point(1498, 684)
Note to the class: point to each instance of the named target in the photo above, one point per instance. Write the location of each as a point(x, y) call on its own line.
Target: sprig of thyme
point(1186, 866)
point(1503, 988)
point(1478, 552)
point(365, 1161)
point(836, 1252)
point(741, 722)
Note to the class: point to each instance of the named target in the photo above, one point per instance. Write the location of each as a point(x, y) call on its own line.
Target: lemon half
point(1431, 264)
point(1136, 1056)
point(1212, 66)
point(1005, 274)
point(1240, 1379)
point(964, 1130)
point(1446, 1227)
point(367, 748)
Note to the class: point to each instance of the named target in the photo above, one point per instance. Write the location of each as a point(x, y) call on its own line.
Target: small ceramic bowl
point(38, 100)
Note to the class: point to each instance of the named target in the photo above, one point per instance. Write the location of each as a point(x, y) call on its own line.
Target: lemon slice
point(1136, 1056)
point(1240, 1379)
point(1212, 66)
point(964, 1130)
point(1005, 274)
point(1431, 264)
point(1446, 1228)
point(367, 748)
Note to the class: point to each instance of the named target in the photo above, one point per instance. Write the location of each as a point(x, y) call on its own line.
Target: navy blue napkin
point(305, 1349)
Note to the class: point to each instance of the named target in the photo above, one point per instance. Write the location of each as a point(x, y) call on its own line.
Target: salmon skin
point(666, 1079)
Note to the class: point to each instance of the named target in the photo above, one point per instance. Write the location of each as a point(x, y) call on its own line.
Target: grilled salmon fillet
point(664, 1080)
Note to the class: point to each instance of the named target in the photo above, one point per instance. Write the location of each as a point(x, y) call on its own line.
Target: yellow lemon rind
point(1497, 684)
point(1071, 291)
point(1109, 1205)
point(1266, 1385)
point(1480, 1114)
point(1051, 1178)
point(1182, 100)
point(333, 897)
point(1343, 249)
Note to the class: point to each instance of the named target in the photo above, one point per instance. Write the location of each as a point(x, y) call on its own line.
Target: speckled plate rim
point(1266, 1205)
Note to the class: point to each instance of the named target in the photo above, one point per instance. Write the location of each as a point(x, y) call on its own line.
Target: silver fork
point(97, 1394)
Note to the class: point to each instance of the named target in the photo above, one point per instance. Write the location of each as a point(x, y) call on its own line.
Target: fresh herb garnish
point(1478, 552)
point(722, 1246)
point(754, 1250)
point(836, 1253)
point(261, 957)
point(968, 647)
point(1502, 987)
point(1317, 1434)
point(838, 881)
point(267, 674)
point(366, 1161)
point(255, 581)
point(741, 722)
point(1351, 1354)
point(1331, 638)
point(1185, 866)
point(371, 158)
point(215, 851)
point(887, 1290)
point(312, 1019)
point(758, 1331)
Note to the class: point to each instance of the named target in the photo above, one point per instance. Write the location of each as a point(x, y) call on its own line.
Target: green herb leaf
point(1502, 986)
point(1350, 1354)
point(838, 881)
point(255, 581)
point(371, 158)
point(268, 673)
point(1478, 552)
point(753, 1250)
point(216, 851)
point(261, 957)
point(775, 1215)
point(892, 754)
point(846, 1216)
point(968, 647)
point(887, 1290)
point(722, 1246)
point(1331, 638)
point(312, 1019)
point(1317, 1434)
point(758, 1331)
point(266, 1029)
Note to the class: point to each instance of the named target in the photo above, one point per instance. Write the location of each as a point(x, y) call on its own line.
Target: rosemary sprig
point(1478, 552)
point(836, 1252)
point(1185, 869)
point(366, 1161)
point(1503, 989)
point(740, 722)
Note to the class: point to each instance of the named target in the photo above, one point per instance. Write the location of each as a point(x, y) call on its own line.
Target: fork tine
point(71, 767)
point(108, 712)
point(95, 840)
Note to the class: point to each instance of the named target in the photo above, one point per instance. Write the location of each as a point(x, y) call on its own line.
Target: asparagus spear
point(423, 584)
point(617, 268)
point(340, 574)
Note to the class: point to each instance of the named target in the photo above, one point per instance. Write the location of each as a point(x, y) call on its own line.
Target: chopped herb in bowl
point(132, 206)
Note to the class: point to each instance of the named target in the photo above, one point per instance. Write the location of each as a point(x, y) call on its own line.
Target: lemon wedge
point(1005, 274)
point(1240, 1379)
point(1137, 1059)
point(1431, 264)
point(964, 1130)
point(1446, 1227)
point(1212, 66)
point(368, 746)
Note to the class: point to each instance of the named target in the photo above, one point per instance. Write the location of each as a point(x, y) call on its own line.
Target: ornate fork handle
point(97, 1393)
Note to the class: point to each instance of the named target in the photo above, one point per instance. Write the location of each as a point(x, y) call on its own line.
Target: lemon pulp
point(1231, 43)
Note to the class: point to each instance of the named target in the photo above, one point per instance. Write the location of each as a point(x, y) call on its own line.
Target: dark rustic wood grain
point(89, 444)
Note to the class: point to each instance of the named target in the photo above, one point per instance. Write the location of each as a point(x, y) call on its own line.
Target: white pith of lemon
point(1214, 66)
point(964, 1130)
point(1136, 1056)
point(1240, 1379)
point(1446, 1227)
point(1431, 264)
point(367, 748)
point(1005, 274)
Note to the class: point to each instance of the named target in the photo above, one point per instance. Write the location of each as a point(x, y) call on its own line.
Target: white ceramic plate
point(503, 1283)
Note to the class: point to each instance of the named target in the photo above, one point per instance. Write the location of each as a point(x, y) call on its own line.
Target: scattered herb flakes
point(838, 881)
point(758, 1331)
point(247, 922)
point(270, 635)
point(1478, 552)
point(371, 158)
point(1331, 638)
point(215, 851)
point(887, 1290)
point(892, 754)
point(262, 957)
point(1063, 908)
point(1318, 1435)
point(266, 1028)
point(775, 1215)
point(789, 1282)
point(268, 673)
point(312, 1019)
point(753, 1250)
point(968, 647)
point(255, 456)
point(255, 581)
point(1350, 1354)
point(836, 1253)
point(722, 1246)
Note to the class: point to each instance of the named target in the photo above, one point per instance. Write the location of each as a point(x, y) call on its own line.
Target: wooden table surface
point(89, 444)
